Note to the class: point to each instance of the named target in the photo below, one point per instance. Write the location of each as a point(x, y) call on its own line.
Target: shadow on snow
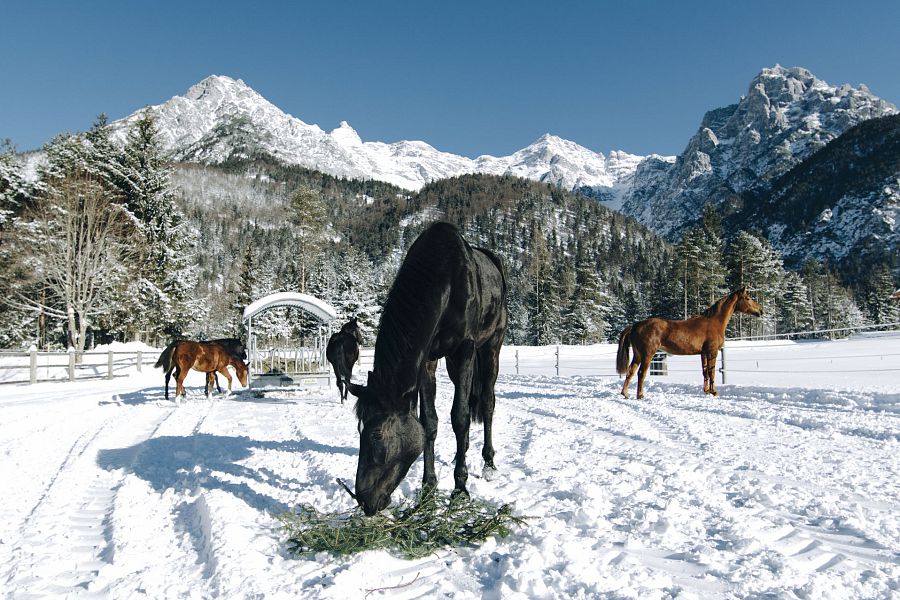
point(213, 462)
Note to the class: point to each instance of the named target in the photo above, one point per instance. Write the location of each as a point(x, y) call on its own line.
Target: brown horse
point(233, 346)
point(701, 334)
point(206, 358)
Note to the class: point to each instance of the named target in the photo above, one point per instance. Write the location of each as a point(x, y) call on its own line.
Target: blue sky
point(467, 77)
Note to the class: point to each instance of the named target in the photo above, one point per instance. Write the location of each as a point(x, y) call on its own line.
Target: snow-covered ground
point(787, 485)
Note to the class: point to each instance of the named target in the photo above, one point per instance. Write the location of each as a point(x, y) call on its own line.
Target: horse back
point(674, 336)
point(188, 354)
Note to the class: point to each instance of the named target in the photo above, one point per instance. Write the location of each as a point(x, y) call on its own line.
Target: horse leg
point(179, 384)
point(642, 373)
point(338, 381)
point(703, 365)
point(224, 371)
point(429, 418)
point(488, 367)
point(631, 369)
point(168, 376)
point(711, 368)
point(461, 370)
point(209, 384)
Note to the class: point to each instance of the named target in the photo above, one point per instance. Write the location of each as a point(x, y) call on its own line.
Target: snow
point(191, 128)
point(786, 485)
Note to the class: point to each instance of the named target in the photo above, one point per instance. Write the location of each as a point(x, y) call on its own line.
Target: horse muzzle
point(372, 506)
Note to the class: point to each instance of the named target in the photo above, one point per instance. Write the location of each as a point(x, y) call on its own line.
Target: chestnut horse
point(233, 346)
point(342, 352)
point(701, 334)
point(208, 358)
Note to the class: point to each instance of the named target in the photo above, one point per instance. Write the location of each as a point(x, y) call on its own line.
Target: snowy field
point(787, 485)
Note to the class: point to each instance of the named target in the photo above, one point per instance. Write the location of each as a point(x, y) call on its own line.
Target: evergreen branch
point(414, 529)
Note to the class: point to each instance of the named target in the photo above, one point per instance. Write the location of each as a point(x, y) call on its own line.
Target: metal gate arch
point(319, 309)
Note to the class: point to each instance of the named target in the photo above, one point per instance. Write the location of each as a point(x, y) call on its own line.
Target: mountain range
point(221, 119)
point(738, 154)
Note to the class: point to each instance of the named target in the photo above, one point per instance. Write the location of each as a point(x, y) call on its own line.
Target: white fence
point(867, 358)
point(34, 366)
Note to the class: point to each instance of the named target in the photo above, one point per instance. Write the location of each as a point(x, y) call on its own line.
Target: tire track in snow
point(805, 546)
point(67, 557)
point(675, 464)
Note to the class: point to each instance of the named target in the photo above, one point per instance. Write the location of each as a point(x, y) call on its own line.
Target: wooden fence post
point(71, 352)
point(517, 361)
point(140, 360)
point(109, 365)
point(33, 363)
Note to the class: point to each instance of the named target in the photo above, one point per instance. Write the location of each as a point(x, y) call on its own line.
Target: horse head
point(389, 443)
point(240, 367)
point(746, 304)
point(351, 328)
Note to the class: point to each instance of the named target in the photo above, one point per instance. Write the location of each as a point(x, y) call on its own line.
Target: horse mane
point(716, 307)
point(412, 310)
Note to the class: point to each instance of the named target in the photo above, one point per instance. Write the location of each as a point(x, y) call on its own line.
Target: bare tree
point(73, 244)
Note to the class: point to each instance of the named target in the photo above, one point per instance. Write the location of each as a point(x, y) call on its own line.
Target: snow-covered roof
point(896, 295)
point(319, 309)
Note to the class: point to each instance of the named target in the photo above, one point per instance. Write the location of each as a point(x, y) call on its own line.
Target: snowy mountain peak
point(217, 84)
point(221, 118)
point(346, 135)
point(786, 115)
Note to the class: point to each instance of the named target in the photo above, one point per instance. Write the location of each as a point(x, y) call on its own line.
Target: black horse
point(448, 300)
point(232, 346)
point(342, 352)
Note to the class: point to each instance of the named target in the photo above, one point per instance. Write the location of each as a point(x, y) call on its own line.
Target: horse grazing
point(342, 352)
point(232, 346)
point(448, 300)
point(701, 334)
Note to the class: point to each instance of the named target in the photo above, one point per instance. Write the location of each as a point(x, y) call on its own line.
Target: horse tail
point(165, 359)
point(342, 364)
point(624, 347)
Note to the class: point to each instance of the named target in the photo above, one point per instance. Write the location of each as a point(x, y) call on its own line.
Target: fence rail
point(33, 366)
point(877, 355)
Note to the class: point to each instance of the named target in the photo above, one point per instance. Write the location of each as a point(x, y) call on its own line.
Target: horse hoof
point(624, 395)
point(459, 494)
point(489, 473)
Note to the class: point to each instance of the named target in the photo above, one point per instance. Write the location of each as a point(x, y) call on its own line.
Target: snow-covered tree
point(73, 245)
point(167, 275)
point(585, 316)
point(755, 264)
point(309, 217)
point(795, 310)
point(879, 306)
point(699, 262)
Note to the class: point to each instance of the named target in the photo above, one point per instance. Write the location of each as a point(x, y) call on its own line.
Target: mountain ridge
point(221, 118)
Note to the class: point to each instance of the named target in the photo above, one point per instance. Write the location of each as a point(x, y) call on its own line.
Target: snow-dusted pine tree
point(585, 316)
point(795, 313)
point(753, 263)
point(167, 268)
